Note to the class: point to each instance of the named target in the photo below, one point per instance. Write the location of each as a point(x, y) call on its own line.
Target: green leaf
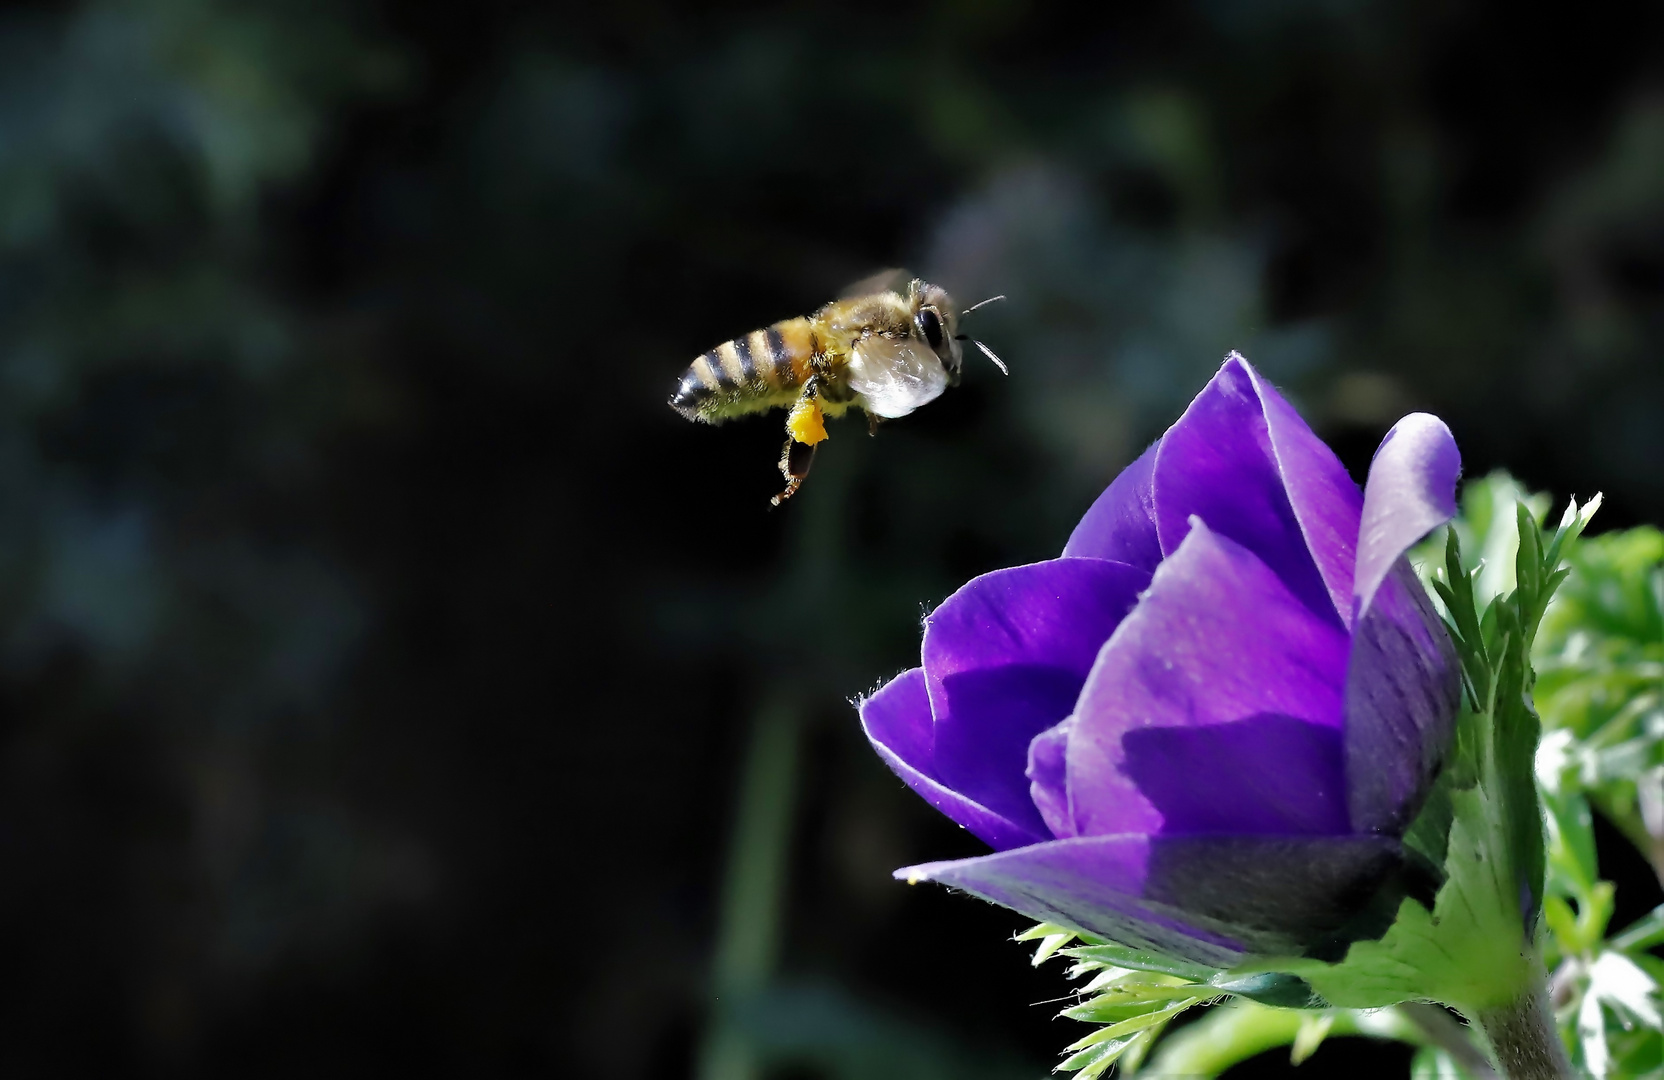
point(1562, 923)
point(1572, 840)
point(1643, 933)
point(1140, 960)
point(1049, 945)
point(1123, 1003)
point(1095, 1059)
point(1134, 1023)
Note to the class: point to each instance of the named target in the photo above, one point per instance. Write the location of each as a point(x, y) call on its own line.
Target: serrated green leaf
point(1120, 1003)
point(1135, 1023)
point(1098, 1011)
point(1103, 976)
point(1041, 930)
point(1049, 945)
point(1095, 1059)
point(1140, 960)
point(1528, 554)
point(1139, 1048)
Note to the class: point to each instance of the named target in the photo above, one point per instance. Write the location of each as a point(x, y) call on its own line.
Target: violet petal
point(1005, 658)
point(1211, 899)
point(1403, 683)
point(1048, 777)
point(1236, 459)
point(1093, 884)
point(1403, 689)
point(1326, 501)
point(1218, 639)
point(1121, 524)
point(1411, 492)
point(898, 724)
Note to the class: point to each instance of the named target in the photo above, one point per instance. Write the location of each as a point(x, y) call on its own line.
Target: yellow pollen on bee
point(806, 423)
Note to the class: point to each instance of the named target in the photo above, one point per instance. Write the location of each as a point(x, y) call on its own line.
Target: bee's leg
point(872, 424)
point(805, 427)
point(795, 460)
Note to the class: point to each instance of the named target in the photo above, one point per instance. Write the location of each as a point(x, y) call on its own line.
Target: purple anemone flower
point(1206, 727)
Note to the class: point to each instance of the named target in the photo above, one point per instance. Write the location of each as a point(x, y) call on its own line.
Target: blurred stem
point(1233, 1033)
point(748, 938)
point(1447, 1034)
point(1523, 1035)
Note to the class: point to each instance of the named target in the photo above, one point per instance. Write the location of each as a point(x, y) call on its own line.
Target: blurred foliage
point(159, 398)
point(338, 499)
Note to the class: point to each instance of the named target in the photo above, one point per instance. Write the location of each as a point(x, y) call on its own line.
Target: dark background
point(378, 654)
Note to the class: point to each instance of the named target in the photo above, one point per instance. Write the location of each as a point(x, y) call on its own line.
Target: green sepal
point(1276, 988)
point(1140, 960)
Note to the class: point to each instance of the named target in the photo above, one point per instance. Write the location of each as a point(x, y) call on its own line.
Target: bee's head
point(936, 323)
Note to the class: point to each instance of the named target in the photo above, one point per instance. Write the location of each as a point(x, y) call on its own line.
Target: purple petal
point(1218, 639)
point(1267, 773)
point(1245, 463)
point(1411, 492)
point(1325, 499)
point(1090, 883)
point(1048, 777)
point(1121, 524)
point(1403, 688)
point(1005, 658)
point(897, 722)
point(1209, 899)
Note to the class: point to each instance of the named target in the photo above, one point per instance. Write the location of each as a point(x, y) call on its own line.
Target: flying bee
point(883, 350)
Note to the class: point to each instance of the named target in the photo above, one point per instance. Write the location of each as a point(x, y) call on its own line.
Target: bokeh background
point(389, 681)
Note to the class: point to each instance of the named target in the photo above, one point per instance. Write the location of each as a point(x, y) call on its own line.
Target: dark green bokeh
point(378, 653)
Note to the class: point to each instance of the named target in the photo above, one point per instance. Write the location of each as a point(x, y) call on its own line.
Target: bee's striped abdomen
point(748, 374)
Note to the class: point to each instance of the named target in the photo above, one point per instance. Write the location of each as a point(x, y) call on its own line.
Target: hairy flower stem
point(1523, 1036)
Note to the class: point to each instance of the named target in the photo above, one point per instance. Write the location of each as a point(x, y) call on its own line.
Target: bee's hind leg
point(795, 460)
point(805, 429)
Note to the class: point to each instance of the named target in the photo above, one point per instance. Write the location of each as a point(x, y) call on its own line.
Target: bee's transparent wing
point(894, 279)
point(894, 376)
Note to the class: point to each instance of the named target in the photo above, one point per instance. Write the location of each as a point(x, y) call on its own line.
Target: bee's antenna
point(989, 353)
point(981, 303)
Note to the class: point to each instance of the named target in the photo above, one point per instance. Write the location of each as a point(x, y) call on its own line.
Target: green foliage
point(1600, 659)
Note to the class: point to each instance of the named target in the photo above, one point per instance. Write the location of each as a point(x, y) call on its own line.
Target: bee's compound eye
point(930, 325)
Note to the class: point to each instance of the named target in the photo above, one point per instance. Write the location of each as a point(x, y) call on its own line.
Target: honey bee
point(884, 350)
